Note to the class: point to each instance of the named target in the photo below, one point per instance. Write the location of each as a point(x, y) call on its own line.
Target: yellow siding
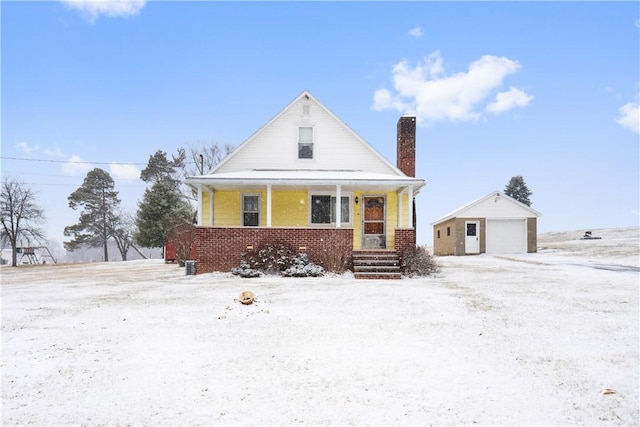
point(392, 219)
point(206, 215)
point(405, 211)
point(357, 222)
point(226, 208)
point(290, 209)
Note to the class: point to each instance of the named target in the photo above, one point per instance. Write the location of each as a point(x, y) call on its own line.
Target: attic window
point(305, 142)
point(305, 110)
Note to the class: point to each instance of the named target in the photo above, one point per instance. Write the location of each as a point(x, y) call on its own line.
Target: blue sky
point(546, 90)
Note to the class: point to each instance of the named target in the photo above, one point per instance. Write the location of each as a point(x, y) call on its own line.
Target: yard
point(548, 338)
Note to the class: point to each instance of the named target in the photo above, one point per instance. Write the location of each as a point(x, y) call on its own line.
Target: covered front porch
point(327, 214)
point(373, 205)
point(221, 248)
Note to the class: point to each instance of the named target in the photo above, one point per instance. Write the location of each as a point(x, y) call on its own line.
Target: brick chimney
point(406, 156)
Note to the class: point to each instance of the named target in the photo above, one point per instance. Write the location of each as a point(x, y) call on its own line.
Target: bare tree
point(20, 215)
point(182, 237)
point(200, 159)
point(123, 233)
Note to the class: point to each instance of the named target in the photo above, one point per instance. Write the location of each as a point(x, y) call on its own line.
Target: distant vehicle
point(589, 236)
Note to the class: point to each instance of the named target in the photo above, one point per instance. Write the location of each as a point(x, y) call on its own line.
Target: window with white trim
point(323, 209)
point(305, 142)
point(251, 210)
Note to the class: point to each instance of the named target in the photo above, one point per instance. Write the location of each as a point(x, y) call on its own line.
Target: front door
point(373, 230)
point(472, 237)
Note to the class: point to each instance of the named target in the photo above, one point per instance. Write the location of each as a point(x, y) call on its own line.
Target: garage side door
point(506, 236)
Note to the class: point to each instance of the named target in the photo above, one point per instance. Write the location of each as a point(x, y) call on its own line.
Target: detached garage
point(495, 224)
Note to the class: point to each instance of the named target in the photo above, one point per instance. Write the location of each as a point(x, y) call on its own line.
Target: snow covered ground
point(546, 339)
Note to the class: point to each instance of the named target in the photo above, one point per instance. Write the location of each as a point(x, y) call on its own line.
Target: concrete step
point(376, 265)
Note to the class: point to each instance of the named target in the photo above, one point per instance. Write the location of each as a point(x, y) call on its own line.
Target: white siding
point(275, 146)
point(493, 207)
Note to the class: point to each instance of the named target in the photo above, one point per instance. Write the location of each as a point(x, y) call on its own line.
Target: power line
point(78, 161)
point(12, 173)
point(72, 161)
point(77, 185)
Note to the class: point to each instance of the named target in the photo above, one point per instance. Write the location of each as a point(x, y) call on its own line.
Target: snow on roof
point(469, 205)
point(306, 177)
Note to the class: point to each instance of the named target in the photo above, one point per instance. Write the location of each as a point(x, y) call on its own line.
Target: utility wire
point(71, 161)
point(12, 173)
point(78, 161)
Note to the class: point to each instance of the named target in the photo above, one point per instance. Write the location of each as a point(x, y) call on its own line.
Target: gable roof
point(471, 209)
point(270, 156)
point(278, 134)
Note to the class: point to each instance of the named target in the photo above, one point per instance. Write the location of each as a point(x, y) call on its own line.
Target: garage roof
point(492, 205)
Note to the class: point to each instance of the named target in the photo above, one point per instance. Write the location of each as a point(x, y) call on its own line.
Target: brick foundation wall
point(405, 239)
point(221, 249)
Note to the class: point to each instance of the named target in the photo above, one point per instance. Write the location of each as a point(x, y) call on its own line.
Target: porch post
point(400, 193)
point(211, 208)
point(268, 205)
point(410, 208)
point(338, 205)
point(199, 204)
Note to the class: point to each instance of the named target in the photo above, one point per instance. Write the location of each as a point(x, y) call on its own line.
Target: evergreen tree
point(99, 216)
point(161, 169)
point(517, 189)
point(162, 207)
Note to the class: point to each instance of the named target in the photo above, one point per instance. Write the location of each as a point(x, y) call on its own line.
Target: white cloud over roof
point(629, 117)
point(92, 9)
point(416, 32)
point(124, 171)
point(427, 91)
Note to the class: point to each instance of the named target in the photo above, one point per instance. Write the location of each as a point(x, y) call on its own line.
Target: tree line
point(166, 205)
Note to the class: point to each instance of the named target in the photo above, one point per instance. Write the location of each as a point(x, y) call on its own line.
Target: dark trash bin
point(190, 268)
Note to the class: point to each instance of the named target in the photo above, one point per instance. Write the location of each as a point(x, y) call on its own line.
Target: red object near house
point(169, 252)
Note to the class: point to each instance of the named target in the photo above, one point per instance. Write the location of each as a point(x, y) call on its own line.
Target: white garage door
point(506, 236)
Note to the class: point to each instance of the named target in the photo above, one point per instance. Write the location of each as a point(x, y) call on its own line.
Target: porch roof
point(308, 179)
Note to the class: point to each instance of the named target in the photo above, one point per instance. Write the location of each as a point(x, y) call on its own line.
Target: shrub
point(245, 270)
point(418, 262)
point(276, 258)
point(331, 255)
point(302, 267)
point(270, 257)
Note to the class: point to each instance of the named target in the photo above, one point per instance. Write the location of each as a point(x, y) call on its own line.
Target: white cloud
point(427, 91)
point(26, 148)
point(416, 32)
point(55, 153)
point(122, 171)
point(508, 100)
point(630, 117)
point(92, 9)
point(75, 166)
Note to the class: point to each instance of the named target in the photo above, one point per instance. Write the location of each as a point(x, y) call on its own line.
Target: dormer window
point(305, 142)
